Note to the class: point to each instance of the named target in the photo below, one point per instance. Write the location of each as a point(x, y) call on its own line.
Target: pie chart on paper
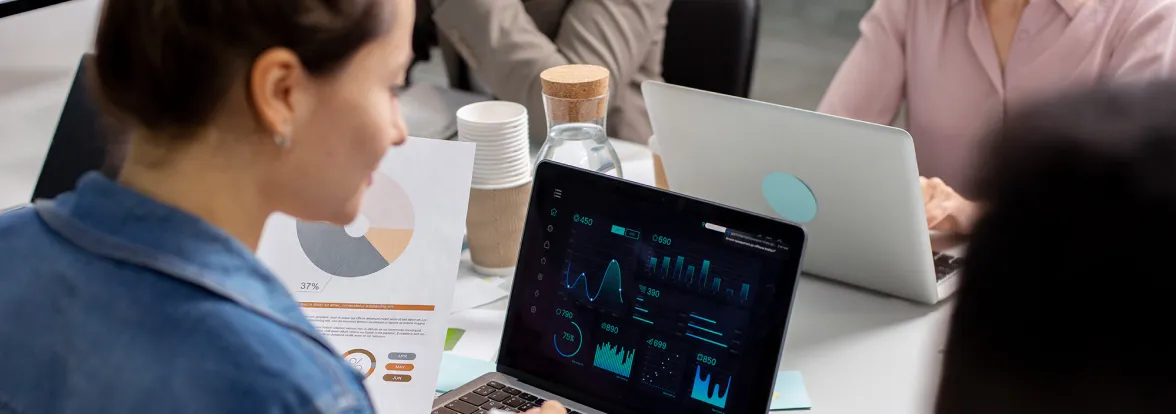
point(372, 242)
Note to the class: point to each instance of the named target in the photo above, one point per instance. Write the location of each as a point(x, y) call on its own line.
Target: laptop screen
point(13, 7)
point(633, 299)
point(85, 140)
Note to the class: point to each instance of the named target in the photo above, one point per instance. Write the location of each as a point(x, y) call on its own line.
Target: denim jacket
point(111, 302)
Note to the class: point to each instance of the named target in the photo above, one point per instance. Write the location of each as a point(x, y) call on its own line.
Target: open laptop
point(853, 185)
point(82, 142)
point(14, 7)
point(631, 299)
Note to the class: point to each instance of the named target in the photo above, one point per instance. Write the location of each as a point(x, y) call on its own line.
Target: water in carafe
point(581, 144)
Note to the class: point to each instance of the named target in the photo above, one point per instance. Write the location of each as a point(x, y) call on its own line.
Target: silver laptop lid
point(869, 227)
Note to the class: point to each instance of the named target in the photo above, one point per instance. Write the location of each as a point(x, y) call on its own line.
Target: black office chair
point(711, 45)
point(83, 141)
point(424, 35)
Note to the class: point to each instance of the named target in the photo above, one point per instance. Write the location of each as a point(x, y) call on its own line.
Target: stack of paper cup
point(501, 183)
point(500, 129)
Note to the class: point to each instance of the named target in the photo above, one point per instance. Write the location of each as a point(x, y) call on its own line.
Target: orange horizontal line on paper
point(366, 306)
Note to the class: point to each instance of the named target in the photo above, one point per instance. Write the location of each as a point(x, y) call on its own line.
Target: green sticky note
point(452, 336)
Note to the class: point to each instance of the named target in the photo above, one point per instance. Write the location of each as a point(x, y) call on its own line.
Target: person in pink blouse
point(961, 65)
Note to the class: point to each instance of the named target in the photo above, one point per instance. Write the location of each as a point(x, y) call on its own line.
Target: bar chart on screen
point(701, 275)
point(614, 359)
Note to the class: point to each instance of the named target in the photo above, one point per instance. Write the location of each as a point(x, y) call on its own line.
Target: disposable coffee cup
point(491, 129)
point(501, 162)
point(493, 136)
point(503, 173)
point(505, 148)
point(659, 169)
point(494, 167)
point(499, 151)
point(502, 152)
point(491, 167)
point(491, 114)
point(503, 186)
point(501, 182)
point(492, 126)
point(495, 227)
point(502, 149)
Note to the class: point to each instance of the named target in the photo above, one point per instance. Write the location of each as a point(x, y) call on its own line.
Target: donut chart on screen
point(373, 242)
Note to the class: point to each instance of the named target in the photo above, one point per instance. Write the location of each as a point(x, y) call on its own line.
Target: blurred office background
point(800, 45)
point(797, 49)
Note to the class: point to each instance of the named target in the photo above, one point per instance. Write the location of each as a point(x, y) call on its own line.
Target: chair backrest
point(81, 143)
point(11, 7)
point(711, 45)
point(424, 34)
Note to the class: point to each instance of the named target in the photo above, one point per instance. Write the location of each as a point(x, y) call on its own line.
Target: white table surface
point(859, 352)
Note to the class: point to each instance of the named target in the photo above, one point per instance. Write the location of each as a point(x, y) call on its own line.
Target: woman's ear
point(274, 79)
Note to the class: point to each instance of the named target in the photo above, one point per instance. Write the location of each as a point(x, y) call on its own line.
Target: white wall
point(39, 52)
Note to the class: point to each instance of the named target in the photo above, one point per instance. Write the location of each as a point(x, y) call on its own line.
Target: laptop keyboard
point(493, 395)
point(947, 265)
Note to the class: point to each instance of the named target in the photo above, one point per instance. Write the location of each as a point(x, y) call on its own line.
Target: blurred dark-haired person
point(960, 66)
point(1063, 307)
point(142, 294)
point(507, 43)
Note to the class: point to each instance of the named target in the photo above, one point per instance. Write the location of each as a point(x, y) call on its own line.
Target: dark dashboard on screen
point(637, 299)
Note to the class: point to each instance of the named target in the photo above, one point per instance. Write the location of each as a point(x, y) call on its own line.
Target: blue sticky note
point(457, 370)
point(790, 393)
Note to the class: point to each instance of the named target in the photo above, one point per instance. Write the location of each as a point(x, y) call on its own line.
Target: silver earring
point(282, 141)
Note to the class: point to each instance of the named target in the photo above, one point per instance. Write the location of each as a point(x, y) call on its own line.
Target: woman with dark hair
point(1066, 297)
point(142, 294)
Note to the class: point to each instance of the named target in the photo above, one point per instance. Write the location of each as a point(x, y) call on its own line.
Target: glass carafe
point(575, 100)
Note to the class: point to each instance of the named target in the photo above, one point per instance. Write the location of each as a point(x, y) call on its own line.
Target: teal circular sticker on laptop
point(790, 197)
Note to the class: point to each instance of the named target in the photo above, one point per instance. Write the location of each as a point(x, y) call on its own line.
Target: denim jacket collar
point(116, 222)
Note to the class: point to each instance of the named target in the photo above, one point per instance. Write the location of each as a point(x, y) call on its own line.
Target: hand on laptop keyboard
point(549, 407)
point(946, 209)
point(947, 265)
point(496, 398)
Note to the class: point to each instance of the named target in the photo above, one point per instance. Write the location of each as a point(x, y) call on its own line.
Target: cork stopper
point(576, 93)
